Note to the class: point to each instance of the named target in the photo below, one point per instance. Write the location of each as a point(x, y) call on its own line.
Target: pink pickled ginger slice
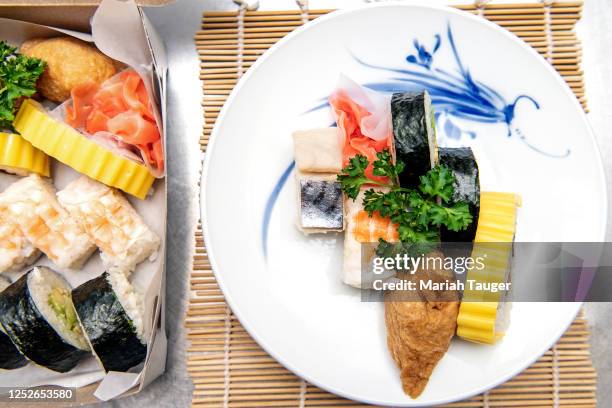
point(364, 118)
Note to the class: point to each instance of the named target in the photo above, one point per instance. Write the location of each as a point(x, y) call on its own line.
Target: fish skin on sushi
point(111, 222)
point(318, 158)
point(10, 357)
point(31, 203)
point(111, 314)
point(414, 135)
point(37, 313)
point(320, 203)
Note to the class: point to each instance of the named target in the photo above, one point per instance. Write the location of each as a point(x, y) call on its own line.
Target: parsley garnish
point(418, 212)
point(18, 76)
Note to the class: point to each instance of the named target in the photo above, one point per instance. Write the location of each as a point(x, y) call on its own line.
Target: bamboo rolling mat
point(227, 367)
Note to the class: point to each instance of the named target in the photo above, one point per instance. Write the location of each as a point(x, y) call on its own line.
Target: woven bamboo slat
point(227, 367)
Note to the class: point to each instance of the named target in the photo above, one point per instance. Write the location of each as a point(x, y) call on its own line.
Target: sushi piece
point(467, 189)
point(320, 203)
point(419, 331)
point(37, 313)
point(414, 135)
point(364, 119)
point(16, 252)
point(362, 229)
point(484, 316)
point(318, 150)
point(31, 203)
point(111, 223)
point(111, 313)
point(10, 357)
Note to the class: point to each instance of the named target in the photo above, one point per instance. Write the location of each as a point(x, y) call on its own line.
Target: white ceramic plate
point(530, 136)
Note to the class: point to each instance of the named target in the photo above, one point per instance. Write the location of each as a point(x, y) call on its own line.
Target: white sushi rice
point(4, 283)
point(431, 131)
point(41, 282)
point(130, 299)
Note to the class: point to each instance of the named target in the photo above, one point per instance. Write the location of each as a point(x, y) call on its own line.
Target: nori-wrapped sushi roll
point(10, 357)
point(467, 188)
point(37, 314)
point(414, 135)
point(111, 313)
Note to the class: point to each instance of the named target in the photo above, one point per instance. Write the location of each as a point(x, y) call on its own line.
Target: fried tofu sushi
point(111, 222)
point(16, 252)
point(70, 62)
point(31, 204)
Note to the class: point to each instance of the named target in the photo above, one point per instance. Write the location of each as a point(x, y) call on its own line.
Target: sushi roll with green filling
point(37, 314)
point(414, 135)
point(111, 313)
point(10, 357)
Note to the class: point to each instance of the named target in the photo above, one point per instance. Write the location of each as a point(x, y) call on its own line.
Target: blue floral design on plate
point(455, 95)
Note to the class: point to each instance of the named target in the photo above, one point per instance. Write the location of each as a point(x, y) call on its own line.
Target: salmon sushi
point(111, 222)
point(361, 228)
point(31, 204)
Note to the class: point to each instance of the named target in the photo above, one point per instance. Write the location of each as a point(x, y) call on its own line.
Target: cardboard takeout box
point(77, 16)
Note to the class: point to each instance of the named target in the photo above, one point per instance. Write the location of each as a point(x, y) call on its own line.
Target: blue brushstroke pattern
point(270, 206)
point(456, 94)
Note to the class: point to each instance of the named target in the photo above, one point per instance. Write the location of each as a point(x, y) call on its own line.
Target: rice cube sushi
point(10, 357)
point(318, 150)
point(37, 313)
point(16, 252)
point(31, 203)
point(362, 229)
point(111, 313)
point(320, 202)
point(111, 222)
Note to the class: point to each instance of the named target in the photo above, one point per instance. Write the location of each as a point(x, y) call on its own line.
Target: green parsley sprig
point(18, 76)
point(418, 212)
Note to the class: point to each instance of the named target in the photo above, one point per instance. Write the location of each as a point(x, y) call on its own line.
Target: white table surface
point(177, 24)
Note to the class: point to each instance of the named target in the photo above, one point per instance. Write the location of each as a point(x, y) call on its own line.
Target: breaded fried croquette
point(70, 62)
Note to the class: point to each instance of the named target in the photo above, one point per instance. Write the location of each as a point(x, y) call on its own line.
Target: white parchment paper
point(134, 50)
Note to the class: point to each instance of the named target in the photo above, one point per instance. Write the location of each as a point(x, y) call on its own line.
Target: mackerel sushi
point(36, 312)
point(111, 313)
point(320, 203)
point(414, 135)
point(10, 357)
point(466, 188)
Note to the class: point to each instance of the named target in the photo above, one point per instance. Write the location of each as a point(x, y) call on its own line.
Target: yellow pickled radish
point(18, 155)
point(70, 147)
point(480, 312)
